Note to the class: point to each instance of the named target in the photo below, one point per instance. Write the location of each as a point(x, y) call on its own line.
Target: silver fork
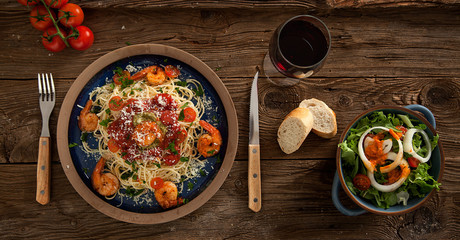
point(47, 99)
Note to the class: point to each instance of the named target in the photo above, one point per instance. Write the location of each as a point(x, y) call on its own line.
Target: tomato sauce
point(374, 151)
point(163, 107)
point(393, 176)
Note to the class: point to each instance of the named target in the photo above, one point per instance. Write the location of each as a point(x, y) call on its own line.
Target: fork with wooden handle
point(47, 100)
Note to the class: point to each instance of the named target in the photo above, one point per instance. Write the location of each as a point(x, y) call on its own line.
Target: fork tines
point(46, 87)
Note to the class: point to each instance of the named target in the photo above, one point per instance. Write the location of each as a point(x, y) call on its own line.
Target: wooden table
point(383, 52)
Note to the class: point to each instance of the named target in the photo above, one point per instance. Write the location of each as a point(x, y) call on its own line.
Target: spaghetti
point(148, 127)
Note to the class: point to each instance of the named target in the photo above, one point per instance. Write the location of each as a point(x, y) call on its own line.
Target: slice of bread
point(294, 129)
point(324, 119)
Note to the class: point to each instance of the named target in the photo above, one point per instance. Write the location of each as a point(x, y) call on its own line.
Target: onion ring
point(392, 187)
point(370, 167)
point(409, 148)
point(387, 144)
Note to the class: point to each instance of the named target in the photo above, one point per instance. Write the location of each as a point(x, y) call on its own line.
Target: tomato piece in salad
point(413, 162)
point(361, 182)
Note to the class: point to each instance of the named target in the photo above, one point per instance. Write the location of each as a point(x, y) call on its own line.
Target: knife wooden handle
point(254, 185)
point(43, 171)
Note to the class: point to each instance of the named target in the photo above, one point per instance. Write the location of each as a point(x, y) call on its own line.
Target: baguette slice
point(324, 119)
point(294, 129)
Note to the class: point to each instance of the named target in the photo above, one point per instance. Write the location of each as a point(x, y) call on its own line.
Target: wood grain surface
point(383, 52)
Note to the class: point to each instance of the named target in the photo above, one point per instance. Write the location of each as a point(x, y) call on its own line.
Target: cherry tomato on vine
point(83, 40)
point(40, 19)
point(28, 2)
point(55, 43)
point(172, 71)
point(71, 15)
point(56, 3)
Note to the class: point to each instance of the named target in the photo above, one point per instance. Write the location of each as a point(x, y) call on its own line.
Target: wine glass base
point(275, 77)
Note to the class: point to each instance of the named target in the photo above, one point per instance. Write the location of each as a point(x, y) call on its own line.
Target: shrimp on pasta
point(148, 125)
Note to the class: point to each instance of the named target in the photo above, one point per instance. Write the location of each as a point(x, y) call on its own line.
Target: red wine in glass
point(299, 46)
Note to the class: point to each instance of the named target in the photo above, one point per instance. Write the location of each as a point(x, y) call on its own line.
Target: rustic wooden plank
point(393, 43)
point(20, 120)
point(330, 4)
point(296, 203)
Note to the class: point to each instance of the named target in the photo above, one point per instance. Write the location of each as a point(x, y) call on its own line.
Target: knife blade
point(254, 182)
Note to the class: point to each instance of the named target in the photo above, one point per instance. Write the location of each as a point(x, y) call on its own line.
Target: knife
point(254, 185)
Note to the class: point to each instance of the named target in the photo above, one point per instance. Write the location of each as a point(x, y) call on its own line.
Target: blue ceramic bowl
point(437, 162)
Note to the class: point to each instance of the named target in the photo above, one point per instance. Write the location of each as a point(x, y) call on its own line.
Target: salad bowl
point(417, 112)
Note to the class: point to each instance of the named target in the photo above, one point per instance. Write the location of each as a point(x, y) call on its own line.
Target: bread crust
point(304, 117)
point(307, 103)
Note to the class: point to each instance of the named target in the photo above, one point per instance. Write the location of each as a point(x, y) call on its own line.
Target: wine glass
point(297, 49)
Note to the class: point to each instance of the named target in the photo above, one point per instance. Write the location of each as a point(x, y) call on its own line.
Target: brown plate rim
point(63, 124)
point(339, 168)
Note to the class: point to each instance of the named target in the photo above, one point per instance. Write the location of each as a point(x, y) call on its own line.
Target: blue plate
point(78, 165)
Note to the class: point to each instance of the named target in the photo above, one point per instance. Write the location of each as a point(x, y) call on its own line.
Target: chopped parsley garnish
point(112, 85)
point(182, 179)
point(72, 145)
point(199, 91)
point(214, 119)
point(128, 43)
point(171, 147)
point(124, 154)
point(158, 165)
point(118, 71)
point(211, 152)
point(190, 186)
point(177, 90)
point(218, 159)
point(126, 175)
point(107, 111)
point(183, 159)
point(185, 201)
point(218, 68)
point(166, 60)
point(130, 191)
point(184, 106)
point(202, 173)
point(86, 170)
point(160, 90)
point(181, 115)
point(126, 82)
point(84, 136)
point(105, 122)
point(181, 83)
